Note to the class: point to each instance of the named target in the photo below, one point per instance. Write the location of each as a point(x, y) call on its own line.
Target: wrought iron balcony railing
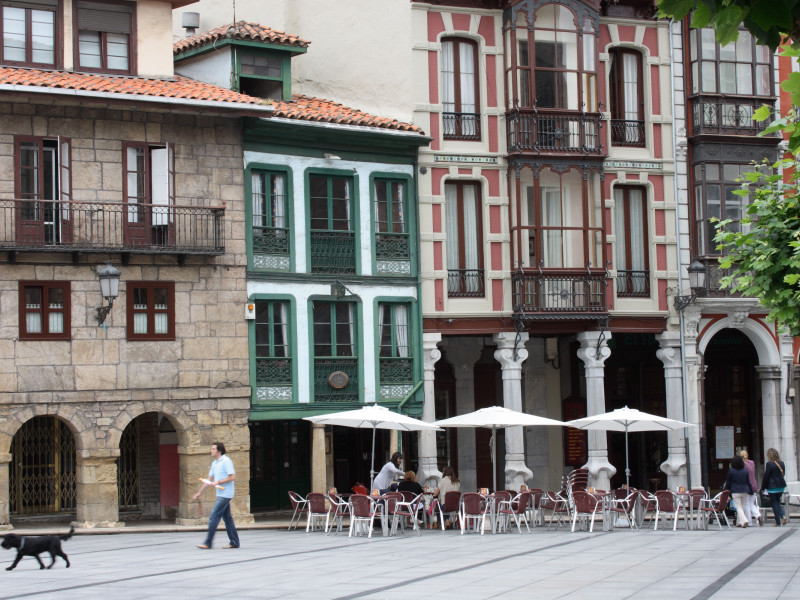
point(461, 126)
point(333, 252)
point(727, 116)
point(465, 283)
point(392, 246)
point(271, 240)
point(327, 389)
point(396, 370)
point(48, 226)
point(272, 371)
point(559, 294)
point(627, 133)
point(633, 284)
point(557, 132)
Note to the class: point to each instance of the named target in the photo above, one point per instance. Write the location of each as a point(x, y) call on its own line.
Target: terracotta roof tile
point(178, 87)
point(241, 30)
point(306, 108)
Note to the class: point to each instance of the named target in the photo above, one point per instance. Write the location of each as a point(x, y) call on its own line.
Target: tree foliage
point(763, 255)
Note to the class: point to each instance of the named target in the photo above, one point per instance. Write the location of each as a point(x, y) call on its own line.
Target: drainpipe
point(684, 376)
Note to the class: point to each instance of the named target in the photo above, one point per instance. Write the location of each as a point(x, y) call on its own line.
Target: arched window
point(460, 107)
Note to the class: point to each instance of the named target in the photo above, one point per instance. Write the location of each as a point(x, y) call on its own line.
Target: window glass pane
point(89, 49)
point(713, 202)
point(398, 214)
point(763, 54)
point(14, 33)
point(567, 56)
point(140, 298)
point(708, 44)
point(730, 172)
point(33, 322)
point(693, 44)
point(381, 208)
point(546, 49)
point(117, 51)
point(545, 17)
point(744, 79)
point(709, 76)
point(160, 296)
point(589, 53)
point(744, 47)
point(140, 322)
point(161, 323)
point(344, 329)
point(264, 66)
point(712, 171)
point(728, 52)
point(55, 322)
point(762, 80)
point(727, 78)
point(43, 36)
point(322, 329)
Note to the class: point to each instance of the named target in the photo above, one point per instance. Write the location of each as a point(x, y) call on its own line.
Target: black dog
point(34, 546)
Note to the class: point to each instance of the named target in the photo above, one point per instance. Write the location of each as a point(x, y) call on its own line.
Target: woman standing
point(390, 470)
point(774, 483)
point(751, 510)
point(738, 483)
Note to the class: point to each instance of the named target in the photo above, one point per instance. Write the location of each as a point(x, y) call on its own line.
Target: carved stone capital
point(594, 350)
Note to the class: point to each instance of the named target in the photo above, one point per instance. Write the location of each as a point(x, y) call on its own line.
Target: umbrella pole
point(494, 457)
point(372, 464)
point(627, 469)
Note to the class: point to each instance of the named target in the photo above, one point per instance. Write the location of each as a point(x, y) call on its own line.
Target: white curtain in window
point(467, 76)
point(470, 240)
point(56, 322)
point(258, 199)
point(381, 328)
point(620, 231)
point(133, 187)
point(140, 319)
point(401, 329)
point(630, 69)
point(33, 322)
point(636, 203)
point(347, 203)
point(451, 226)
point(284, 324)
point(278, 203)
point(448, 78)
point(551, 217)
point(161, 323)
point(351, 318)
point(399, 227)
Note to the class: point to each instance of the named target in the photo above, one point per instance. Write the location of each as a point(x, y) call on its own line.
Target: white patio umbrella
point(627, 419)
point(494, 417)
point(373, 417)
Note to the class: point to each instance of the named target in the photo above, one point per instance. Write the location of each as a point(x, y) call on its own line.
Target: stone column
point(770, 376)
point(318, 471)
point(670, 355)
point(695, 391)
point(5, 492)
point(517, 472)
point(96, 489)
point(594, 352)
point(429, 473)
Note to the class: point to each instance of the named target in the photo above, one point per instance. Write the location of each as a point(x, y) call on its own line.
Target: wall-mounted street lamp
point(697, 282)
point(109, 288)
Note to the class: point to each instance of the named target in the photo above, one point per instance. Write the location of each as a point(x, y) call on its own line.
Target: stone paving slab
point(756, 562)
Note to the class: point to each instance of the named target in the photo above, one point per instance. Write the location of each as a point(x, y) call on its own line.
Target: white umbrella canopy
point(373, 417)
point(493, 417)
point(627, 419)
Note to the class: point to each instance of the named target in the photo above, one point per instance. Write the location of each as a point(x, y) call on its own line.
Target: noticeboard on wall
point(724, 441)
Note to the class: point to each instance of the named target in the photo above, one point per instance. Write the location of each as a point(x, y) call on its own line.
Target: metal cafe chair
point(586, 506)
point(300, 506)
point(667, 504)
point(407, 509)
point(516, 508)
point(449, 507)
point(560, 509)
point(625, 506)
point(473, 509)
point(317, 512)
point(389, 501)
point(715, 506)
point(338, 510)
point(363, 510)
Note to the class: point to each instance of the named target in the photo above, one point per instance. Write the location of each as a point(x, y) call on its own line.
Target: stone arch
point(184, 425)
point(74, 419)
point(761, 338)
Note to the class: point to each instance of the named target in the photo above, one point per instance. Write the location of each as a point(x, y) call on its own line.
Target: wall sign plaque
point(338, 379)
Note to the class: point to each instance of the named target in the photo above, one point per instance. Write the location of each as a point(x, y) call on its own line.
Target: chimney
point(190, 21)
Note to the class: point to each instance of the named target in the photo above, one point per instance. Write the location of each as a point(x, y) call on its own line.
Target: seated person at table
point(448, 483)
point(383, 481)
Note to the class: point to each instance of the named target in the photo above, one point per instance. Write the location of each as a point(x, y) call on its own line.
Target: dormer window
point(103, 38)
point(28, 31)
point(264, 75)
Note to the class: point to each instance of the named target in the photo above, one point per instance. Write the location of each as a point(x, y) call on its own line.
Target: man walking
point(221, 475)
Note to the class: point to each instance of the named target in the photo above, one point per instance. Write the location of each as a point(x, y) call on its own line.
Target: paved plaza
point(752, 563)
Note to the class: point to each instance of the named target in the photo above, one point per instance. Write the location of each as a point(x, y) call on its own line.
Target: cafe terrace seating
point(300, 506)
point(695, 497)
point(535, 508)
point(363, 510)
point(336, 513)
point(517, 509)
point(585, 507)
point(317, 512)
point(559, 506)
point(474, 510)
point(449, 507)
point(715, 506)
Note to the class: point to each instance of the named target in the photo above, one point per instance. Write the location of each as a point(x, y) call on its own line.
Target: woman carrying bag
point(774, 483)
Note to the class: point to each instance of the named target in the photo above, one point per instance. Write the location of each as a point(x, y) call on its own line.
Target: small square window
point(151, 310)
point(44, 310)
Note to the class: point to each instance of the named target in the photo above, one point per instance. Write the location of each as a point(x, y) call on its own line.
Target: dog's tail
point(69, 535)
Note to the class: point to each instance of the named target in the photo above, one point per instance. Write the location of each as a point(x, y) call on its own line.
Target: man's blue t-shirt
point(220, 469)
